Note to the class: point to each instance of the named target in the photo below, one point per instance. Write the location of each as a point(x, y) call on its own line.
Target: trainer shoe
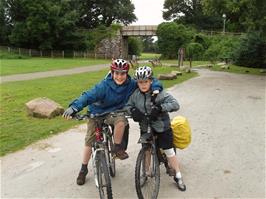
point(180, 184)
point(81, 177)
point(121, 154)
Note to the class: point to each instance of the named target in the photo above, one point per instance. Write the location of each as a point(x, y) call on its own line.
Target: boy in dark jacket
point(143, 102)
point(109, 95)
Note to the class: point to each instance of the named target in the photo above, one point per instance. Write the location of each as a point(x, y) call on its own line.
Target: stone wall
point(111, 47)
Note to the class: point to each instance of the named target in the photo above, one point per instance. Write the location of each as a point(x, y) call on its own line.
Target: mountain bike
point(102, 154)
point(147, 170)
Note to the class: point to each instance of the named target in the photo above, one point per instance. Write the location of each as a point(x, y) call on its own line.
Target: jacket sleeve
point(88, 97)
point(130, 104)
point(156, 85)
point(168, 102)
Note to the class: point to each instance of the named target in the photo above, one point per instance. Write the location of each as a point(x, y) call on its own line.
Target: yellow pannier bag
point(181, 132)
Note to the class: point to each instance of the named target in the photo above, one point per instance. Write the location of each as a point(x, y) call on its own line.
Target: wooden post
point(41, 53)
point(63, 54)
point(30, 52)
point(52, 54)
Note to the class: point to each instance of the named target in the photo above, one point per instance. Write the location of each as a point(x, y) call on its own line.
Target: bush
point(221, 47)
point(194, 51)
point(251, 51)
point(134, 46)
point(171, 37)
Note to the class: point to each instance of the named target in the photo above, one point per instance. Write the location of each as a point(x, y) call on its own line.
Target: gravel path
point(54, 73)
point(225, 160)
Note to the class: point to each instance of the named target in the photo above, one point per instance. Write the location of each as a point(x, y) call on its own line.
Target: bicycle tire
point(144, 181)
point(109, 155)
point(104, 179)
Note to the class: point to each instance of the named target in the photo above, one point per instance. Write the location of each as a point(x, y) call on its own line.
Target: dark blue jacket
point(107, 96)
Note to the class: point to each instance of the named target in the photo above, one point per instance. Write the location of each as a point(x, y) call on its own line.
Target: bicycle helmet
point(119, 65)
point(143, 73)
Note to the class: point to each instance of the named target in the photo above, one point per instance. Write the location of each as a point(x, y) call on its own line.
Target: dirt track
point(226, 158)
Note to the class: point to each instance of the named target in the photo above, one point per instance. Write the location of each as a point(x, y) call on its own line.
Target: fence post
point(52, 54)
point(41, 53)
point(30, 52)
point(19, 51)
point(8, 49)
point(63, 54)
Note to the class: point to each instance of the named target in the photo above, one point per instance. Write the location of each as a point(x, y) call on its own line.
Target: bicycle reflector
point(98, 135)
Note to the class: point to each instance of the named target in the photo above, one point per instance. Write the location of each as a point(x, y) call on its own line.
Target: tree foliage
point(59, 24)
point(241, 15)
point(93, 13)
point(135, 46)
point(190, 13)
point(251, 52)
point(171, 37)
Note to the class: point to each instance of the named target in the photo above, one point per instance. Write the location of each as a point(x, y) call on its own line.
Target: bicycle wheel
point(104, 179)
point(147, 174)
point(109, 156)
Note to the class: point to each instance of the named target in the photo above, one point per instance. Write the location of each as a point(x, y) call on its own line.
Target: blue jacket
point(107, 96)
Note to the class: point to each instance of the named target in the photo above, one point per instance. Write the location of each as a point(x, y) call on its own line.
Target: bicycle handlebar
point(100, 115)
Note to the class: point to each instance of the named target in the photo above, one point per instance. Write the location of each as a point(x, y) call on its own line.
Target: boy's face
point(144, 85)
point(119, 77)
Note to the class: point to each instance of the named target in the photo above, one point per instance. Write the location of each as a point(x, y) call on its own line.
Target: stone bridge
point(118, 46)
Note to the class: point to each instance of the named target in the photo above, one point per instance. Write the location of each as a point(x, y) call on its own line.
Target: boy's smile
point(119, 77)
point(144, 85)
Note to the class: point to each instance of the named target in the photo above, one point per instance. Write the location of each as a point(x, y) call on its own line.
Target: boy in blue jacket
point(109, 95)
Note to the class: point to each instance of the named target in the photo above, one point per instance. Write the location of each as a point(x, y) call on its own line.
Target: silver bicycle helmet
point(143, 73)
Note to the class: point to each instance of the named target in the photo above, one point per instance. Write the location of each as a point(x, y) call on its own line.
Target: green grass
point(19, 130)
point(238, 70)
point(147, 56)
point(18, 66)
point(186, 63)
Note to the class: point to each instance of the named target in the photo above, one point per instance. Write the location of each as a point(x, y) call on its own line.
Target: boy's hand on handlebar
point(155, 110)
point(69, 113)
point(137, 115)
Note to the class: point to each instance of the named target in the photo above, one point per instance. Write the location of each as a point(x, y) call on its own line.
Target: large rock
point(44, 108)
point(176, 73)
point(166, 76)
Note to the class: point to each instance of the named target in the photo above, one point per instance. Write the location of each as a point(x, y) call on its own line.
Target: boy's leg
point(90, 136)
point(119, 123)
point(165, 141)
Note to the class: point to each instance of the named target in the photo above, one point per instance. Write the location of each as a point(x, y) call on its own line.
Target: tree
point(134, 46)
point(171, 37)
point(93, 13)
point(5, 27)
point(190, 12)
point(251, 52)
point(241, 15)
point(42, 24)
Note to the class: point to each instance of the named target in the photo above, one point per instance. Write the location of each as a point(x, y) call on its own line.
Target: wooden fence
point(53, 53)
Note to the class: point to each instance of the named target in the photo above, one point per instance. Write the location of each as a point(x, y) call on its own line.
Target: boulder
point(176, 73)
point(44, 108)
point(225, 67)
point(166, 76)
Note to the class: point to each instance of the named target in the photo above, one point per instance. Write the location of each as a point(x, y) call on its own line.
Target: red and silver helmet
point(143, 73)
point(119, 65)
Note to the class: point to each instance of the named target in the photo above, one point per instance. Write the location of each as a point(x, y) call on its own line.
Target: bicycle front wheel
point(147, 174)
point(109, 156)
point(104, 179)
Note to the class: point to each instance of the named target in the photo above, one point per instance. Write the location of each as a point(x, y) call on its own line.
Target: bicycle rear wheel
point(104, 179)
point(109, 156)
point(147, 174)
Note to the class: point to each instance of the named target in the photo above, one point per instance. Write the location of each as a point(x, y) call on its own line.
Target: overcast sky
point(148, 12)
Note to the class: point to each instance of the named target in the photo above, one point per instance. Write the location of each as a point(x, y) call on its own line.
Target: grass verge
point(239, 70)
point(30, 65)
point(19, 130)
